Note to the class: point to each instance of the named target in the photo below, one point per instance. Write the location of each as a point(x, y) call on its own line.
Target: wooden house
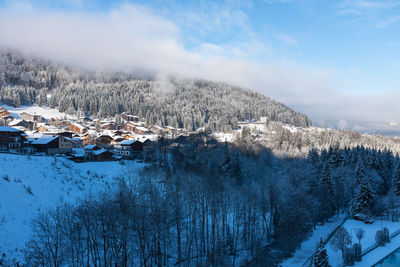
point(128, 117)
point(30, 117)
point(4, 112)
point(76, 128)
point(156, 129)
point(128, 148)
point(104, 140)
point(29, 125)
point(11, 139)
point(141, 130)
point(102, 155)
point(53, 144)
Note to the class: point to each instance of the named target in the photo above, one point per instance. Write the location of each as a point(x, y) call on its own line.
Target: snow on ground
point(45, 112)
point(51, 181)
point(226, 137)
point(335, 257)
point(308, 246)
point(379, 253)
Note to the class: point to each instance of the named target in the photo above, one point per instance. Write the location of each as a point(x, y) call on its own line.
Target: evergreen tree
point(327, 191)
point(365, 197)
point(396, 181)
point(320, 258)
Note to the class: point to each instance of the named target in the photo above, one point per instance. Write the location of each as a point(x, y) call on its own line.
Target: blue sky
point(310, 54)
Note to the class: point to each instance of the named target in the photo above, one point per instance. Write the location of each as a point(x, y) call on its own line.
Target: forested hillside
point(179, 103)
point(216, 206)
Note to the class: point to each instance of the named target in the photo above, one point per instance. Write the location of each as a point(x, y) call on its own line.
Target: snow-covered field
point(45, 112)
point(51, 181)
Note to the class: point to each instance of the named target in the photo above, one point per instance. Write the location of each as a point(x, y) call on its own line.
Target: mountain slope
point(180, 103)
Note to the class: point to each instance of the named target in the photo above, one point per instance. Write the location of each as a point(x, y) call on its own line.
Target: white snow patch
point(52, 181)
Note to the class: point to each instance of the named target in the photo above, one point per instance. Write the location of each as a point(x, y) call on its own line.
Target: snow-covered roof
point(78, 125)
point(100, 151)
point(14, 122)
point(8, 129)
point(89, 147)
point(142, 128)
point(35, 135)
point(127, 142)
point(45, 139)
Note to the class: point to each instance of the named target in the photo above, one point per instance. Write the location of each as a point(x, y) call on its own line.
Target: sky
point(336, 61)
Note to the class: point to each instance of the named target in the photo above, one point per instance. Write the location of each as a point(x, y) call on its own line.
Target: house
point(168, 129)
point(85, 119)
point(4, 112)
point(53, 144)
point(43, 128)
point(23, 123)
point(156, 129)
point(30, 117)
point(76, 128)
point(108, 126)
point(11, 139)
point(130, 126)
point(128, 148)
point(102, 155)
point(141, 130)
point(128, 117)
point(104, 140)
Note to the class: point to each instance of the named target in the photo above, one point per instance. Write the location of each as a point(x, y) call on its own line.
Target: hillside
point(182, 103)
point(24, 194)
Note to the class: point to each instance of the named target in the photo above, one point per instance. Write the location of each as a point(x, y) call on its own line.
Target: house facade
point(11, 139)
point(30, 117)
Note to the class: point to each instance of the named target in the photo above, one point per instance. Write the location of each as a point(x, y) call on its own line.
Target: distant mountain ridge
point(185, 103)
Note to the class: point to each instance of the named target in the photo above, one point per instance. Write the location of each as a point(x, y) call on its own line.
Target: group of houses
point(81, 139)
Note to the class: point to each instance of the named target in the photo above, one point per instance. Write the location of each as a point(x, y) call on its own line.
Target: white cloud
point(133, 38)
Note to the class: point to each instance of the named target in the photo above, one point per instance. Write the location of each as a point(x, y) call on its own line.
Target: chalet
point(130, 126)
point(156, 129)
point(29, 125)
point(7, 119)
point(108, 126)
point(128, 117)
point(90, 148)
point(43, 128)
point(104, 140)
point(141, 130)
point(11, 139)
point(53, 144)
point(30, 117)
point(4, 112)
point(76, 128)
point(168, 129)
point(85, 119)
point(102, 155)
point(128, 148)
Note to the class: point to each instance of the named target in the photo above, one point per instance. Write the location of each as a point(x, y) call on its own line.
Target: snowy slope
point(51, 181)
point(45, 112)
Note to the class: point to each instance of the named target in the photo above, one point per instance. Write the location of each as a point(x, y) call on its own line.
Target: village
point(85, 139)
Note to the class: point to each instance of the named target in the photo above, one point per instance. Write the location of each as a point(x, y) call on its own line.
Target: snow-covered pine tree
point(360, 169)
point(327, 191)
point(396, 181)
point(365, 197)
point(320, 258)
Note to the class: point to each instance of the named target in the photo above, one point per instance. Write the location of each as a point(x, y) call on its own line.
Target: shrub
point(348, 256)
point(379, 238)
point(386, 236)
point(357, 252)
